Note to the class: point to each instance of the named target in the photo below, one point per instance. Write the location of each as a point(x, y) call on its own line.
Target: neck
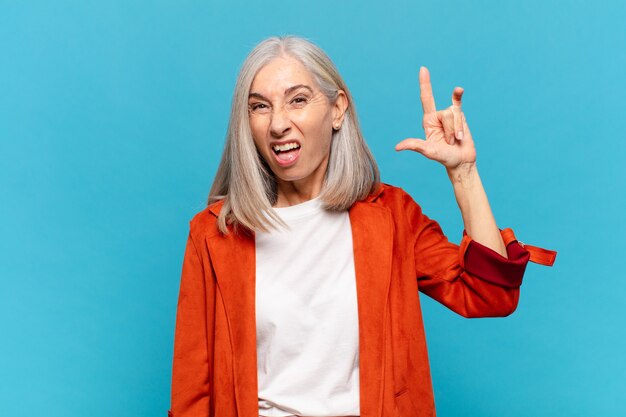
point(292, 193)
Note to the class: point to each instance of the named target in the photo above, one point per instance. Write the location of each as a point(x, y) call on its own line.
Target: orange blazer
point(398, 251)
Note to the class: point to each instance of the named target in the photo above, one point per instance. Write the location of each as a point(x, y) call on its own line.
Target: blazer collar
point(233, 258)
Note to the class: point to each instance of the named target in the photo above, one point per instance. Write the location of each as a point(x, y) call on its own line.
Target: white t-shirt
point(306, 315)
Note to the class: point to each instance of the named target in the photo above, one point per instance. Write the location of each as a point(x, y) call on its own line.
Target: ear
point(340, 107)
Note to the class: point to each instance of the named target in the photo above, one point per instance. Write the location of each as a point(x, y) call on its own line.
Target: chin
point(290, 178)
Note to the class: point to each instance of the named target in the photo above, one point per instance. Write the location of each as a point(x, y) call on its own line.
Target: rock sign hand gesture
point(448, 139)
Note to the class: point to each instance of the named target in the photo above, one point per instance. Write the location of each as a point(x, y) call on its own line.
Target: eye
point(257, 106)
point(299, 100)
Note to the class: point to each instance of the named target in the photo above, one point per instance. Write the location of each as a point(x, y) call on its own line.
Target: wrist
point(464, 174)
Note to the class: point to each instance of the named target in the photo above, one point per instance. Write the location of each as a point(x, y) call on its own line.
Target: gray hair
point(244, 180)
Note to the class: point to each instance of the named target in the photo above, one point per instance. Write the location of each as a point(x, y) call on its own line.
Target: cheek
point(254, 126)
point(323, 135)
point(257, 128)
point(316, 127)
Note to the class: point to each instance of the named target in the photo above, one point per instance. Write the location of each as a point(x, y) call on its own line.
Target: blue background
point(112, 121)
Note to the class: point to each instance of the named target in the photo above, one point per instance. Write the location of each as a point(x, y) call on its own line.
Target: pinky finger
point(457, 96)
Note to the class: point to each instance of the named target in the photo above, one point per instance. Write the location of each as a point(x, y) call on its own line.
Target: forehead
point(279, 74)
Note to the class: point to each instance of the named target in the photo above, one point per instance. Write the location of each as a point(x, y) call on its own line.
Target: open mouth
point(286, 153)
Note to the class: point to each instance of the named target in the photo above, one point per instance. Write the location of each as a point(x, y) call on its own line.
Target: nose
point(280, 123)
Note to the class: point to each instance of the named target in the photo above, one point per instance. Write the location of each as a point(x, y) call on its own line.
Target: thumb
point(417, 145)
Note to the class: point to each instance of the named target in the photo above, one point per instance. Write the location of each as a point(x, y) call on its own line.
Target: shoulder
point(405, 213)
point(391, 196)
point(400, 205)
point(204, 222)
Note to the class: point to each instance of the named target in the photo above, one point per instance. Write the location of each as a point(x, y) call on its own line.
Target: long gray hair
point(244, 180)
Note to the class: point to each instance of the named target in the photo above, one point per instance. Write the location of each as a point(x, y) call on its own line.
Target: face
point(292, 123)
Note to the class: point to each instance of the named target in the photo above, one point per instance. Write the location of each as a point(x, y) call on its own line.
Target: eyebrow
point(287, 91)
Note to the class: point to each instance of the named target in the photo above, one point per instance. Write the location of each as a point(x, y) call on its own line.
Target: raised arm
point(449, 141)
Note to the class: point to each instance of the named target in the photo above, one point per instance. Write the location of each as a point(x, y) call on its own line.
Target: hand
point(448, 139)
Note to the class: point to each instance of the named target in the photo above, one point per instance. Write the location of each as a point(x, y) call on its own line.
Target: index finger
point(426, 92)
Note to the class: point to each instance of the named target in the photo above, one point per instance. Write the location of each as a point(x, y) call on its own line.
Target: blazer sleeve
point(190, 389)
point(470, 279)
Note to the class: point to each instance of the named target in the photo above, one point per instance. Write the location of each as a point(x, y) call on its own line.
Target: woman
point(299, 289)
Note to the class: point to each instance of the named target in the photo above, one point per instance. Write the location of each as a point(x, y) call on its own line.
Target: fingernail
point(459, 135)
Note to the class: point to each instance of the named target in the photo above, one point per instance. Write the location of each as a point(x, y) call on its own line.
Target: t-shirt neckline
point(300, 210)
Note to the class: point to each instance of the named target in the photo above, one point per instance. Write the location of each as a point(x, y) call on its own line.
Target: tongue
point(287, 155)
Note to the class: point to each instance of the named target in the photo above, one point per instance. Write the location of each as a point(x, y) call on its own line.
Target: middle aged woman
point(299, 289)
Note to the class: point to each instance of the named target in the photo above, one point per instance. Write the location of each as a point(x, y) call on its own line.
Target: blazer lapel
point(372, 236)
point(233, 258)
